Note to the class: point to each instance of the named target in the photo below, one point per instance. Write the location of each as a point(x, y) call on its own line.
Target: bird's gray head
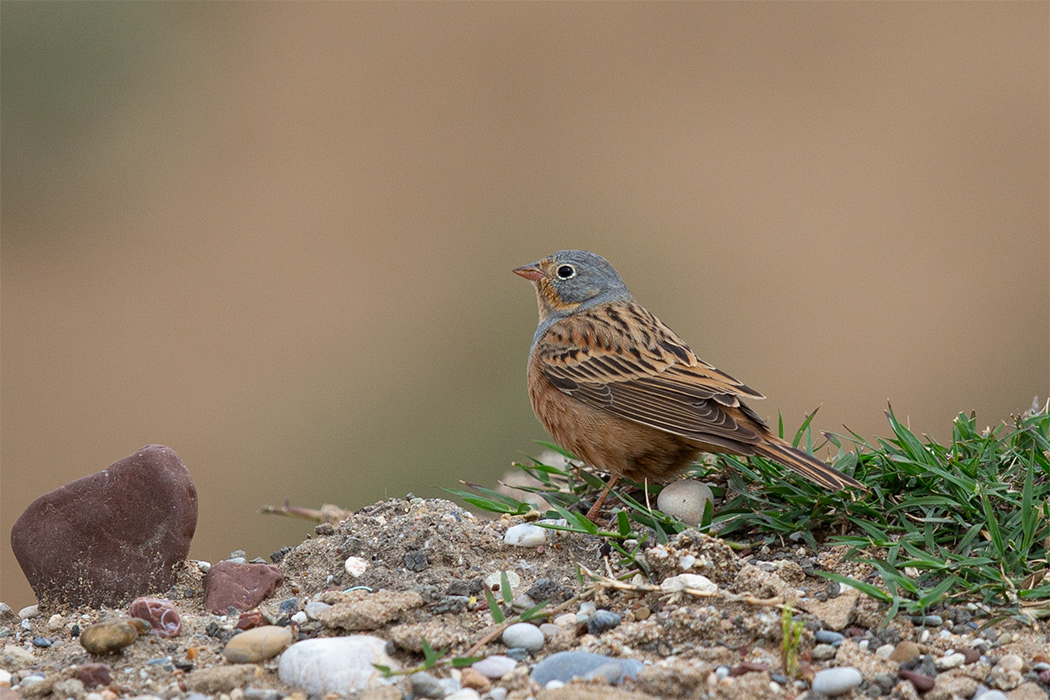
point(571, 280)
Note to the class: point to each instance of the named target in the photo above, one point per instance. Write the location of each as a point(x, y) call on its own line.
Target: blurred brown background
point(278, 237)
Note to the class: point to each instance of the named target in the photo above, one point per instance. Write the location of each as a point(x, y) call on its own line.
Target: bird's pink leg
point(593, 512)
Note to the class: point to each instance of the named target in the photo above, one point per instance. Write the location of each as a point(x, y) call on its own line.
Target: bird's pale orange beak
point(530, 272)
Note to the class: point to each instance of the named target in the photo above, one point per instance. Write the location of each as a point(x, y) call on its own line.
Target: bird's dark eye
point(566, 271)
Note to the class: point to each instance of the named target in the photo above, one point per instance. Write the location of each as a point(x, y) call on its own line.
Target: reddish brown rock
point(110, 536)
point(93, 675)
point(241, 586)
point(161, 614)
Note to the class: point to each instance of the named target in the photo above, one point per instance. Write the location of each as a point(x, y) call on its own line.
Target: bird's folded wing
point(641, 370)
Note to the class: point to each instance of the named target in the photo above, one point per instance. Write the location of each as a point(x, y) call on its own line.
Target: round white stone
point(685, 500)
point(525, 535)
point(836, 681)
point(523, 635)
point(694, 581)
point(338, 665)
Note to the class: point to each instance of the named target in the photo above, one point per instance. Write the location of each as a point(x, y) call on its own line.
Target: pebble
point(525, 535)
point(241, 586)
point(464, 694)
point(943, 663)
point(565, 665)
point(927, 620)
point(29, 611)
point(685, 500)
point(518, 654)
point(990, 695)
point(42, 642)
point(584, 613)
point(300, 618)
point(498, 693)
point(610, 673)
point(836, 681)
point(524, 636)
point(494, 667)
point(885, 681)
point(288, 606)
point(905, 651)
point(425, 685)
point(566, 620)
point(922, 683)
point(828, 637)
point(161, 613)
point(1011, 662)
point(972, 655)
point(823, 652)
point(722, 672)
point(109, 637)
point(257, 644)
point(884, 651)
point(340, 665)
point(5, 678)
point(693, 581)
point(469, 678)
point(355, 566)
point(494, 581)
point(93, 675)
point(55, 622)
point(602, 621)
point(314, 609)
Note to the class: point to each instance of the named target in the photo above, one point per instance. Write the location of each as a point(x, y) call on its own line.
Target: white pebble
point(686, 561)
point(525, 535)
point(943, 663)
point(884, 651)
point(5, 679)
point(493, 581)
point(29, 611)
point(990, 695)
point(694, 581)
point(836, 681)
point(523, 635)
point(498, 693)
point(355, 566)
point(300, 618)
point(565, 620)
point(465, 694)
point(554, 685)
point(340, 665)
point(314, 609)
point(685, 500)
point(584, 613)
point(494, 667)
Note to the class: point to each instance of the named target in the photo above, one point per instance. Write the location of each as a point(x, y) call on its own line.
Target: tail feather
point(807, 465)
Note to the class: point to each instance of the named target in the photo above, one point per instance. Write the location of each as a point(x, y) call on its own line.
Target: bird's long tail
point(807, 465)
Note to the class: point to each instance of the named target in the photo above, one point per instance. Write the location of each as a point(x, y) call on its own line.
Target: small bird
point(620, 390)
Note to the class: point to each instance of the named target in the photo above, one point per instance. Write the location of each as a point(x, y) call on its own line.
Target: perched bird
point(620, 390)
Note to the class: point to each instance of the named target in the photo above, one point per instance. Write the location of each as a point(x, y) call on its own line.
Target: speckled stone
point(109, 637)
point(108, 537)
point(341, 665)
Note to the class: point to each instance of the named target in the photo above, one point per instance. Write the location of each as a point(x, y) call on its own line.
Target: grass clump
point(940, 523)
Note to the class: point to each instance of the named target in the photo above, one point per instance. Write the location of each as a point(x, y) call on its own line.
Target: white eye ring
point(566, 272)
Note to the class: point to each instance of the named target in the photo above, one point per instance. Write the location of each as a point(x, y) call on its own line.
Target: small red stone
point(748, 667)
point(250, 619)
point(161, 614)
point(93, 675)
point(922, 683)
point(241, 586)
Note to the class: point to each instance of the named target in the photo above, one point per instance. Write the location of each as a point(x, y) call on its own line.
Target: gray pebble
point(426, 686)
point(610, 673)
point(518, 654)
point(289, 606)
point(602, 621)
point(823, 652)
point(42, 642)
point(523, 635)
point(685, 500)
point(261, 694)
point(927, 620)
point(836, 681)
point(828, 637)
point(565, 665)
